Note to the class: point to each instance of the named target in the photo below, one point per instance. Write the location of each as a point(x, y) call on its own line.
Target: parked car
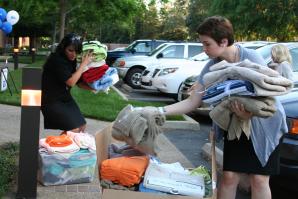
point(265, 51)
point(284, 185)
point(150, 72)
point(168, 77)
point(131, 68)
point(138, 47)
point(184, 90)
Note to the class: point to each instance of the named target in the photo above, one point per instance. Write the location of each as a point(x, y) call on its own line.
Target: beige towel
point(264, 85)
point(247, 64)
point(139, 128)
point(228, 121)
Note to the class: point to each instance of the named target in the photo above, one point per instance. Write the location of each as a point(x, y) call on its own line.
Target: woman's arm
point(78, 73)
point(189, 104)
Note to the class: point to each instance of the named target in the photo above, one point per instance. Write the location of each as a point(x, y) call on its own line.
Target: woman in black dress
point(60, 73)
point(257, 155)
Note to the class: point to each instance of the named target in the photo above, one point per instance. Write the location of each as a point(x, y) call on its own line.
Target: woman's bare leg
point(260, 187)
point(228, 185)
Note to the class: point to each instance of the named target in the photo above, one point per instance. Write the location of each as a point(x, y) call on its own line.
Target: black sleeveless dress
point(59, 109)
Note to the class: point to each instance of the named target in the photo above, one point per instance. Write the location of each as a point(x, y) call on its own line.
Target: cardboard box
point(103, 140)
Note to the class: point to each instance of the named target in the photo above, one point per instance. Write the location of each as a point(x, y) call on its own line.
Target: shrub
point(8, 166)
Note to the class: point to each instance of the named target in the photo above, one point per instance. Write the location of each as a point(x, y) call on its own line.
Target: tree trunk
point(63, 4)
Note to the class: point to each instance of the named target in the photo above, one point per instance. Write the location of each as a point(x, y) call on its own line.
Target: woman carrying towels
point(60, 74)
point(257, 155)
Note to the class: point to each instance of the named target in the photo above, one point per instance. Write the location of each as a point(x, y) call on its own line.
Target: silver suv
point(130, 68)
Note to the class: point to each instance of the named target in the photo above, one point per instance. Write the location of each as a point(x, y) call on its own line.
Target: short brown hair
point(218, 28)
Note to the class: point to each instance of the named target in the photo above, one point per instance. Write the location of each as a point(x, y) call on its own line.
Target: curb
point(206, 150)
point(189, 124)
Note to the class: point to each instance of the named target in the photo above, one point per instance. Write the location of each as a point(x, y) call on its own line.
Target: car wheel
point(133, 77)
point(180, 95)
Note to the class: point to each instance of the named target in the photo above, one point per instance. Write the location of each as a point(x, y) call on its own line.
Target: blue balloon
point(1, 23)
point(3, 14)
point(6, 27)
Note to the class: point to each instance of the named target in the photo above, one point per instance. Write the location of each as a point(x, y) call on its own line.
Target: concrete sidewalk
point(10, 131)
point(10, 65)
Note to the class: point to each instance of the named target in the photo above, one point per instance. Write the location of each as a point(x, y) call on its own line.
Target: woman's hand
point(239, 110)
point(78, 73)
point(86, 59)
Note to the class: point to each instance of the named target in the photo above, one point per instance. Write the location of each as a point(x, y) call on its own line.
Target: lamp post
point(16, 58)
point(29, 132)
point(33, 50)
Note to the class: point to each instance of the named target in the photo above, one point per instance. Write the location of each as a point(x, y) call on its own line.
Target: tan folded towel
point(228, 121)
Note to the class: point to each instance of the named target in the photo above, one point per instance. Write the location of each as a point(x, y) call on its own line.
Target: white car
point(150, 72)
point(168, 77)
point(131, 68)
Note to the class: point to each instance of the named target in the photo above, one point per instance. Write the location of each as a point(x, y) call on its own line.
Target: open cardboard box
point(103, 140)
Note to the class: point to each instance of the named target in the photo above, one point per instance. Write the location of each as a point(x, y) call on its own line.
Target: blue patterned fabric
point(216, 93)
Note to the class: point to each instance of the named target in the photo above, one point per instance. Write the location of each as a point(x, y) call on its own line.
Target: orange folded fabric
point(58, 141)
point(126, 171)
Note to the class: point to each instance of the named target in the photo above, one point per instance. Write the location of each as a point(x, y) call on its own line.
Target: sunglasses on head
point(75, 38)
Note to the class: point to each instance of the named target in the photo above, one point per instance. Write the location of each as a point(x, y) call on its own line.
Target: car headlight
point(119, 63)
point(293, 126)
point(167, 71)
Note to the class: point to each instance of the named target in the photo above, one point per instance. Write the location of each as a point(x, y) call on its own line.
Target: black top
point(56, 71)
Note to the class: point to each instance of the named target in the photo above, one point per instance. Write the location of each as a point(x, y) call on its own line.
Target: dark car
point(285, 185)
point(138, 47)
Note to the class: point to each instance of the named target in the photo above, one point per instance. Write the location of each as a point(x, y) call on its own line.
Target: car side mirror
point(159, 55)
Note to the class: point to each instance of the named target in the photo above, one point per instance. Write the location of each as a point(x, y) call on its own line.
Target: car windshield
point(200, 57)
point(131, 46)
point(156, 49)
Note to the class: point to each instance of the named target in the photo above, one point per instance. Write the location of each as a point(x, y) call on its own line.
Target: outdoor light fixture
point(33, 51)
point(31, 98)
point(29, 132)
point(16, 58)
point(16, 50)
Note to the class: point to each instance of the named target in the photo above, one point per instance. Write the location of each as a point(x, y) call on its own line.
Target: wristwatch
point(162, 110)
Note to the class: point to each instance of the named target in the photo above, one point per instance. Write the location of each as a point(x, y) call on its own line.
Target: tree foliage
point(259, 19)
point(173, 21)
point(198, 11)
point(122, 21)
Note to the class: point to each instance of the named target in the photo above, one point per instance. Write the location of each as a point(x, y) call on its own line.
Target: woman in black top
point(60, 73)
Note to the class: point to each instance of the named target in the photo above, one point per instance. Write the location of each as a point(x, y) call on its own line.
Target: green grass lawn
point(100, 106)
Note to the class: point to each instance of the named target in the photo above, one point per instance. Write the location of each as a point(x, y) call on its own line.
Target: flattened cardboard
point(113, 194)
point(103, 140)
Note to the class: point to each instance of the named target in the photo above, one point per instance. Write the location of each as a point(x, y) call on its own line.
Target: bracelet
point(162, 110)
